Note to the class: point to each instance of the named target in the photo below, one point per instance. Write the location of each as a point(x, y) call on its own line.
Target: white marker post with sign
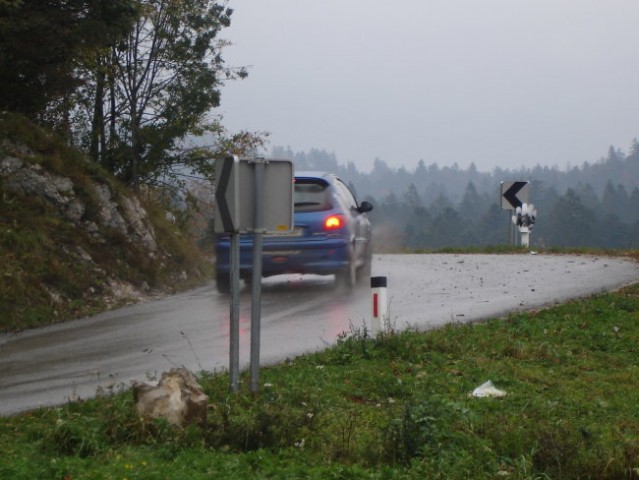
point(514, 194)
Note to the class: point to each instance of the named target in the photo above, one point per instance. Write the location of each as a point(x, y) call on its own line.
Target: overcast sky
point(505, 83)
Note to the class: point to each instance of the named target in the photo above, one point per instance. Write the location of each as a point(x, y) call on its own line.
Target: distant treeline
point(594, 205)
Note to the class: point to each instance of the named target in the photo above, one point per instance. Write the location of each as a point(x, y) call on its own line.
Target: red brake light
point(333, 222)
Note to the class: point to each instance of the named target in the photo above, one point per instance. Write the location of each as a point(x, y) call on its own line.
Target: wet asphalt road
point(52, 365)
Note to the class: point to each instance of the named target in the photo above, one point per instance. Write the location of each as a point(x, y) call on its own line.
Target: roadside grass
point(394, 406)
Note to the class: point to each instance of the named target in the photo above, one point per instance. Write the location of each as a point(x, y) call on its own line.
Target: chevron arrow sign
point(227, 195)
point(514, 194)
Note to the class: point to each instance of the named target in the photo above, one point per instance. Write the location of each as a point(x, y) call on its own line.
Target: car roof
point(328, 177)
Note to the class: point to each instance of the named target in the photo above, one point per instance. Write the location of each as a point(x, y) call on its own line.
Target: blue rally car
point(331, 235)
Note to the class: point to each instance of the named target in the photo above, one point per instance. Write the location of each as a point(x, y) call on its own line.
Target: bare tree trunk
point(97, 123)
point(135, 146)
point(113, 117)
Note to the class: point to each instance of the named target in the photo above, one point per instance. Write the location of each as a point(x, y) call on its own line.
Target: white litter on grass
point(488, 390)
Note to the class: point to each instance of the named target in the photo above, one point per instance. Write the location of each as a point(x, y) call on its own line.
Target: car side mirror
point(365, 207)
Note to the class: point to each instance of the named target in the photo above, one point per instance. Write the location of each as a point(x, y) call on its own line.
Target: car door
point(361, 227)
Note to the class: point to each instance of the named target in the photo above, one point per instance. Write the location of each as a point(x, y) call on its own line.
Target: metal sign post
point(234, 321)
point(251, 198)
point(256, 297)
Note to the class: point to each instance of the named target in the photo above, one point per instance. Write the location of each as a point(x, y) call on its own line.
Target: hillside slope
point(75, 241)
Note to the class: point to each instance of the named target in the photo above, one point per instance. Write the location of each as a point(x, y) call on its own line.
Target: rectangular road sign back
point(235, 195)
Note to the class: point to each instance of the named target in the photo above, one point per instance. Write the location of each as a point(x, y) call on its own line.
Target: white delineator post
point(525, 236)
point(380, 305)
point(525, 217)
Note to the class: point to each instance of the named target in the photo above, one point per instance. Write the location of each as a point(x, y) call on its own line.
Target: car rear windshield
point(311, 195)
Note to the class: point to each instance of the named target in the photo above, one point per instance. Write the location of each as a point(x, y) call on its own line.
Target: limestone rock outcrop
point(122, 213)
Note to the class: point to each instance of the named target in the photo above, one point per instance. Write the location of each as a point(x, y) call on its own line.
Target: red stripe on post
point(375, 305)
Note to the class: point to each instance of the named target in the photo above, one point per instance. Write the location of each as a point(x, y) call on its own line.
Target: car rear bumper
point(322, 258)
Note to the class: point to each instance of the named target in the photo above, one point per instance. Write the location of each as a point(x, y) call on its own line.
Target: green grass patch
point(394, 406)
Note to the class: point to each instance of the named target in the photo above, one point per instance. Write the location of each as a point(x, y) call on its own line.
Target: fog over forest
point(592, 205)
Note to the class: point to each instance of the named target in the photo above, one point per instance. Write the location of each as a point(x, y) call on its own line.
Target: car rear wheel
point(223, 282)
point(348, 276)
